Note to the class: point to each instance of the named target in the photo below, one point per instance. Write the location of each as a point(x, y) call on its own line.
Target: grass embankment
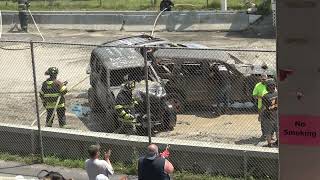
point(135, 5)
point(118, 167)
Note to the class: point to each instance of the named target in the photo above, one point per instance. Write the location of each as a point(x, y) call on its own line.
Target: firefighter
point(52, 93)
point(125, 104)
point(23, 6)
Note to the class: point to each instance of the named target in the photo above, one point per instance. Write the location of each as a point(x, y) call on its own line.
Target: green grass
point(121, 168)
point(122, 5)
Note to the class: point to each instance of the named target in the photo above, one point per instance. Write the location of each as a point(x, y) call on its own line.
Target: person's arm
point(108, 167)
point(273, 104)
point(265, 102)
point(62, 87)
point(255, 91)
point(41, 94)
point(168, 167)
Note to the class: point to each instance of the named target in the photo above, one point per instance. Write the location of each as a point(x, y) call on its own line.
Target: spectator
point(259, 90)
point(94, 166)
point(153, 166)
point(166, 5)
point(269, 112)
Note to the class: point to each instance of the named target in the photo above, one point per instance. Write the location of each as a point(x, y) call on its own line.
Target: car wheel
point(102, 122)
point(177, 102)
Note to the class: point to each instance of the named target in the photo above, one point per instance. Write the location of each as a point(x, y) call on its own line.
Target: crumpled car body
point(188, 69)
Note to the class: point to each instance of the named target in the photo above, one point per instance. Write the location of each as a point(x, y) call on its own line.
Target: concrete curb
point(138, 20)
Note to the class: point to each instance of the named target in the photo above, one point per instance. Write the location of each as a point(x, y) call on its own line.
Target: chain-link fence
point(158, 90)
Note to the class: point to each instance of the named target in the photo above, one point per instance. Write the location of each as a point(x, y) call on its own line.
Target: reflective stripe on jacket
point(125, 103)
point(50, 92)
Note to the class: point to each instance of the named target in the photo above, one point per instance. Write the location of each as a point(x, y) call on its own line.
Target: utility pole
point(224, 5)
point(153, 3)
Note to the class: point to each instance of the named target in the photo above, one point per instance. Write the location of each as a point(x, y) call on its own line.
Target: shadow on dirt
point(252, 140)
point(262, 28)
point(213, 112)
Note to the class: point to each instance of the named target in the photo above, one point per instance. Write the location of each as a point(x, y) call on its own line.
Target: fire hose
point(161, 12)
point(36, 25)
point(57, 103)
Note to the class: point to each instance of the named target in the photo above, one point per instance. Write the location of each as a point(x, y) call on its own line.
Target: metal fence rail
point(198, 95)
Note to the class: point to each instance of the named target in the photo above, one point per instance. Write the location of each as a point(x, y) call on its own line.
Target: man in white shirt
point(94, 166)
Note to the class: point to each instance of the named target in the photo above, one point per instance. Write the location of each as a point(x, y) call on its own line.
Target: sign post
point(299, 88)
point(224, 5)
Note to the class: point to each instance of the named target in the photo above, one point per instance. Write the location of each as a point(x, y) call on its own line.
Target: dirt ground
point(17, 104)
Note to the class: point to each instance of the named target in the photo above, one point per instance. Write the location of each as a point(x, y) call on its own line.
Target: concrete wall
point(137, 20)
point(186, 155)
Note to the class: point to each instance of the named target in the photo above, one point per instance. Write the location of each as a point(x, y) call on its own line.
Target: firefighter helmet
point(52, 71)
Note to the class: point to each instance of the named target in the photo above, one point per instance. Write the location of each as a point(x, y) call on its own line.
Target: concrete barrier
point(138, 20)
point(195, 156)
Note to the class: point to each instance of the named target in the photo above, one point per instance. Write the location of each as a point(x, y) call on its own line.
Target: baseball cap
point(264, 76)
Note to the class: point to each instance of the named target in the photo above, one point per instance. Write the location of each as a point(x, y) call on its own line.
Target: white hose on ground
point(36, 25)
point(54, 111)
point(43, 112)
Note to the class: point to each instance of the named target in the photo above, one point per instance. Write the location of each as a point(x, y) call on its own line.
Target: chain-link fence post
point(40, 146)
point(146, 71)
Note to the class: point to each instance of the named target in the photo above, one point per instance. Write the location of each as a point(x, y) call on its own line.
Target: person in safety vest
point(125, 103)
point(23, 6)
point(269, 112)
point(52, 95)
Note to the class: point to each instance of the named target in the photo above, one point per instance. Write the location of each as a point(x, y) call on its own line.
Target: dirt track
point(16, 85)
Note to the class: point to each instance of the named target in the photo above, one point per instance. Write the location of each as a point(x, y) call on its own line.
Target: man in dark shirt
point(269, 111)
point(154, 166)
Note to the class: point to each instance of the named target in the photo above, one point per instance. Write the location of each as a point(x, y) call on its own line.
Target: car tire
point(102, 122)
point(94, 101)
point(176, 101)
